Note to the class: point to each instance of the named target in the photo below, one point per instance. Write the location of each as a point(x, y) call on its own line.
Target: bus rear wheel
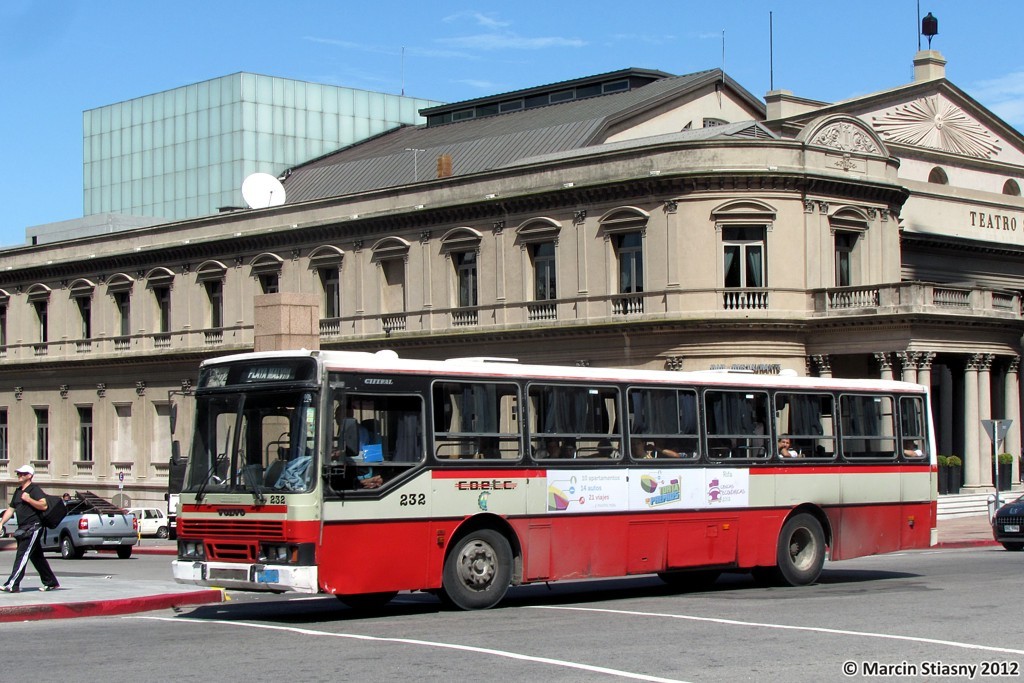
point(478, 570)
point(800, 552)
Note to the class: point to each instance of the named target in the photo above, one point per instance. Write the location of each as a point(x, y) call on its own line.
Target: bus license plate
point(268, 576)
point(1011, 528)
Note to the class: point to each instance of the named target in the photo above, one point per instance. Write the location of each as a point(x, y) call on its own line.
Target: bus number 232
point(412, 499)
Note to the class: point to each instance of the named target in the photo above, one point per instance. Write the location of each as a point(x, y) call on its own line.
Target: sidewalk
point(94, 596)
point(91, 596)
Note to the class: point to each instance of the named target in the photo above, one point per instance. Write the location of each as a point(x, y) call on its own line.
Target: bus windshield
point(253, 442)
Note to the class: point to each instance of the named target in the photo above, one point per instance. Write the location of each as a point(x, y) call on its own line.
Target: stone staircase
point(972, 503)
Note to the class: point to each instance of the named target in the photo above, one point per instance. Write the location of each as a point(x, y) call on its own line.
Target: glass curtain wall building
point(184, 153)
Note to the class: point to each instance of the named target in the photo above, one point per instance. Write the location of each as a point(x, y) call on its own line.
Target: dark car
point(1008, 525)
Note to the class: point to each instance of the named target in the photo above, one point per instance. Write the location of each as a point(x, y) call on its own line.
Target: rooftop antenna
point(771, 53)
point(403, 71)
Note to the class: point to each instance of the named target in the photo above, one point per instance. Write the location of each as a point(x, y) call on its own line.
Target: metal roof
point(408, 154)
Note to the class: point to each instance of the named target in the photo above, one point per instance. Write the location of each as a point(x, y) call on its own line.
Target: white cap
point(26, 469)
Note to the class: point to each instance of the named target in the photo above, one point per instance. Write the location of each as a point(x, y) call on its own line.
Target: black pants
point(30, 548)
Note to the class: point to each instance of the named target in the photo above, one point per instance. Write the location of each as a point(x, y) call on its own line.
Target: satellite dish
point(260, 190)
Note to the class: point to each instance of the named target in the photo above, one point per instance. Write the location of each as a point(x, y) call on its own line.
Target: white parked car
point(152, 521)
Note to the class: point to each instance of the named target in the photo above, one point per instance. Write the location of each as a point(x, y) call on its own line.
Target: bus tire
point(367, 601)
point(800, 552)
point(478, 570)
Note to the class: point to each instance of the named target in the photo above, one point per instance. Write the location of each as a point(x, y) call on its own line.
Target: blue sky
point(62, 57)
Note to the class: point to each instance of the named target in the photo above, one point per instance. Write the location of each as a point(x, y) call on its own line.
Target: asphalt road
point(909, 616)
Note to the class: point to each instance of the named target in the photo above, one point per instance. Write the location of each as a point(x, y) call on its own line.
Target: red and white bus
point(362, 475)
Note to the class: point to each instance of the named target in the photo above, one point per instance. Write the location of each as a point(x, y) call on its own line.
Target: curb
point(979, 543)
point(96, 608)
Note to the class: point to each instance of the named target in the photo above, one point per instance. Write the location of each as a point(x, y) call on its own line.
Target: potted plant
point(1004, 463)
point(943, 475)
point(954, 466)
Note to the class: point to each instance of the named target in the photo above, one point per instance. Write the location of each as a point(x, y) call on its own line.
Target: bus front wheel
point(478, 570)
point(800, 553)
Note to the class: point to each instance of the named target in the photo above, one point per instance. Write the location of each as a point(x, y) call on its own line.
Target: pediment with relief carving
point(844, 134)
point(937, 123)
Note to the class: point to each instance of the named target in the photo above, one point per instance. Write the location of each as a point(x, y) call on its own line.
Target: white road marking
point(427, 643)
point(815, 629)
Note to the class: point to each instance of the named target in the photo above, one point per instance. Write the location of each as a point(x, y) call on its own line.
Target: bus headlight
point(278, 553)
point(191, 550)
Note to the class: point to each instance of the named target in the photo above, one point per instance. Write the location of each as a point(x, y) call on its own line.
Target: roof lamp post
point(929, 28)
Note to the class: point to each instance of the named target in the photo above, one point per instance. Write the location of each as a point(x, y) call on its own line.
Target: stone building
point(633, 219)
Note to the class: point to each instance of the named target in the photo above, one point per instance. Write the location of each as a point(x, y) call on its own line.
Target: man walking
point(28, 502)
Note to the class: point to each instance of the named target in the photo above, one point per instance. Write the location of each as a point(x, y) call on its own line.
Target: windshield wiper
point(250, 479)
point(211, 476)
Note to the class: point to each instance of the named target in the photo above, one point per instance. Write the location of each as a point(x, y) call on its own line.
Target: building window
point(330, 287)
point(393, 294)
point(4, 452)
point(1012, 188)
point(85, 315)
point(122, 301)
point(269, 283)
point(743, 251)
point(938, 176)
point(215, 303)
point(42, 324)
point(3, 326)
point(162, 297)
point(466, 277)
point(85, 433)
point(123, 450)
point(845, 245)
point(42, 434)
point(631, 262)
point(711, 123)
point(544, 271)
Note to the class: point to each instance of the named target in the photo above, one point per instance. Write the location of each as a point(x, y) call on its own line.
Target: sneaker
point(10, 589)
point(50, 588)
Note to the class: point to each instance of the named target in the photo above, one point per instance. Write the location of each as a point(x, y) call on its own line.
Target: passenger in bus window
point(661, 451)
point(786, 449)
point(912, 450)
point(552, 449)
point(638, 449)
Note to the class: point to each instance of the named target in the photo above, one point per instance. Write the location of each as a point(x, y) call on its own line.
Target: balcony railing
point(122, 343)
point(916, 297)
point(465, 318)
point(744, 299)
point(393, 323)
point(213, 337)
point(542, 311)
point(632, 304)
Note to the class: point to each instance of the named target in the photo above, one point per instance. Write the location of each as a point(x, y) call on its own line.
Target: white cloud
point(510, 41)
point(487, 20)
point(478, 84)
point(1003, 95)
point(410, 51)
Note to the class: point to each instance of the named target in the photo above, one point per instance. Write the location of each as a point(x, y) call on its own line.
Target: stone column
point(972, 429)
point(824, 365)
point(924, 369)
point(908, 363)
point(884, 364)
point(985, 413)
point(1011, 399)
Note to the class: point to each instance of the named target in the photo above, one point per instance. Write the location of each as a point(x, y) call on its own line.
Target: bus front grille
point(233, 529)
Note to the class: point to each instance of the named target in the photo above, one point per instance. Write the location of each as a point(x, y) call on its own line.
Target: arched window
point(1011, 187)
point(938, 176)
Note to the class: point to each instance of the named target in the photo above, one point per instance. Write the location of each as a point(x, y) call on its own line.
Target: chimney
point(444, 166)
point(929, 65)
